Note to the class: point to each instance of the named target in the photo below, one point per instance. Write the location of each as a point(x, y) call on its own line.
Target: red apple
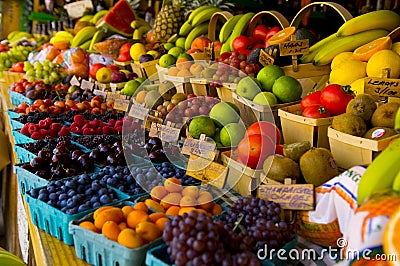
point(94, 68)
point(260, 31)
point(240, 43)
point(272, 32)
point(113, 68)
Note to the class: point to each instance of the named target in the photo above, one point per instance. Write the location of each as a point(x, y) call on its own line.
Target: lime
point(265, 98)
point(168, 46)
point(232, 134)
point(140, 79)
point(167, 60)
point(267, 76)
point(201, 125)
point(224, 113)
point(176, 51)
point(180, 42)
point(130, 87)
point(287, 89)
point(248, 87)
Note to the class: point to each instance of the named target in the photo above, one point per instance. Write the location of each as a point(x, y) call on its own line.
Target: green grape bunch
point(16, 54)
point(49, 72)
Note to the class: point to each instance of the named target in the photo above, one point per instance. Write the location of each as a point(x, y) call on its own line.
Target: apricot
point(172, 184)
point(158, 192)
point(161, 223)
point(148, 231)
point(111, 230)
point(141, 206)
point(191, 191)
point(154, 206)
point(173, 211)
point(112, 214)
point(156, 215)
point(99, 210)
point(135, 217)
point(216, 209)
point(90, 226)
point(172, 199)
point(122, 225)
point(126, 210)
point(188, 201)
point(129, 238)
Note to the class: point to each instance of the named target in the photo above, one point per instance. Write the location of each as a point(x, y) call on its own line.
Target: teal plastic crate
point(23, 155)
point(18, 98)
point(56, 222)
point(15, 125)
point(97, 249)
point(20, 138)
point(28, 180)
point(12, 114)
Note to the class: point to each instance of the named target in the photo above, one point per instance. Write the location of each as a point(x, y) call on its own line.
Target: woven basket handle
point(212, 25)
point(283, 22)
point(343, 12)
point(394, 34)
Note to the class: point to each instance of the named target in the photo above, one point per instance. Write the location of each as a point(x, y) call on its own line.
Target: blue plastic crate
point(97, 249)
point(20, 138)
point(56, 222)
point(18, 98)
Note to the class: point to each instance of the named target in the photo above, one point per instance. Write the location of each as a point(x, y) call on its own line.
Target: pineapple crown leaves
point(191, 5)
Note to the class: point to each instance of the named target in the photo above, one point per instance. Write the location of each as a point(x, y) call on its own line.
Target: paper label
point(294, 47)
point(382, 87)
point(139, 112)
point(199, 147)
point(87, 85)
point(290, 197)
point(164, 132)
point(120, 104)
point(207, 171)
point(100, 93)
point(77, 9)
point(74, 81)
point(152, 119)
point(265, 58)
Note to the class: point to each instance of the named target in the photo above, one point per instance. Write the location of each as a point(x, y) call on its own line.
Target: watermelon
point(119, 19)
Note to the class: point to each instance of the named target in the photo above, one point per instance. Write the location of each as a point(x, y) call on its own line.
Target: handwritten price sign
point(207, 171)
point(382, 87)
point(164, 132)
point(290, 197)
point(294, 47)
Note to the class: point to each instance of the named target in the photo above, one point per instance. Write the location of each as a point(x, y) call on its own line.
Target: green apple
point(130, 87)
point(265, 98)
point(248, 87)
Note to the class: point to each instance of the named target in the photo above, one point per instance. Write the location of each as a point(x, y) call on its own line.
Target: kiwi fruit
point(363, 105)
point(278, 168)
point(153, 99)
point(349, 124)
point(295, 150)
point(167, 89)
point(318, 166)
point(377, 133)
point(384, 115)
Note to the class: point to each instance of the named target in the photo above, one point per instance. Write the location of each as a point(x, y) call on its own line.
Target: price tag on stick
point(138, 111)
point(296, 47)
point(199, 147)
point(164, 132)
point(209, 172)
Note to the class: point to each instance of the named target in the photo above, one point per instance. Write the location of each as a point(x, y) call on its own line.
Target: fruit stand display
point(209, 138)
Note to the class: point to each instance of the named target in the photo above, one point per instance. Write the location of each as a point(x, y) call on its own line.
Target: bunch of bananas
point(197, 23)
point(351, 35)
point(87, 37)
point(15, 36)
point(94, 18)
point(232, 28)
point(141, 27)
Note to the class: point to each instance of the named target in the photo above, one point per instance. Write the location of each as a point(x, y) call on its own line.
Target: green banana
point(86, 45)
point(314, 49)
point(346, 44)
point(397, 120)
point(240, 27)
point(396, 182)
point(10, 259)
point(204, 16)
point(99, 15)
point(379, 19)
point(194, 33)
point(228, 27)
point(83, 35)
point(381, 173)
point(138, 33)
point(86, 18)
point(185, 29)
point(195, 12)
point(97, 37)
point(225, 47)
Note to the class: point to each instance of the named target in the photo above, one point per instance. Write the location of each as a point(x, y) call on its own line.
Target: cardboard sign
point(77, 9)
point(382, 87)
point(207, 171)
point(100, 93)
point(296, 47)
point(122, 105)
point(199, 147)
point(139, 112)
point(265, 58)
point(164, 132)
point(290, 197)
point(74, 81)
point(86, 85)
point(152, 119)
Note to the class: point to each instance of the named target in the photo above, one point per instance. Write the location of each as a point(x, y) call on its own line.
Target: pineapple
point(168, 20)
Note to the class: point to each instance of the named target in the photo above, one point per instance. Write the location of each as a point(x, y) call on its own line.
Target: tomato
point(125, 48)
point(260, 31)
point(311, 99)
point(315, 111)
point(266, 128)
point(240, 42)
point(335, 98)
point(271, 32)
point(254, 149)
point(18, 67)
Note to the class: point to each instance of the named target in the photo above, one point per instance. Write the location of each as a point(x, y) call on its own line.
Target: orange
point(186, 210)
point(156, 215)
point(216, 209)
point(158, 192)
point(126, 210)
point(200, 43)
point(161, 223)
point(391, 236)
point(172, 199)
point(135, 217)
point(154, 206)
point(282, 35)
point(141, 206)
point(148, 231)
point(112, 214)
point(122, 225)
point(205, 201)
point(192, 191)
point(90, 226)
point(173, 184)
point(99, 210)
point(173, 211)
point(188, 201)
point(111, 230)
point(129, 238)
point(365, 51)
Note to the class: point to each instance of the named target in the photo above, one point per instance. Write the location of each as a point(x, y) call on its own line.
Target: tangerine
point(90, 226)
point(129, 238)
point(135, 217)
point(282, 35)
point(111, 230)
point(367, 50)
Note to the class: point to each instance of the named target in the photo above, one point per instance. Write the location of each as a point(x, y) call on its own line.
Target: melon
point(119, 19)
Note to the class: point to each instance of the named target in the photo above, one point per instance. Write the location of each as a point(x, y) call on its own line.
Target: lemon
point(357, 86)
point(347, 72)
point(396, 47)
point(340, 58)
point(137, 49)
point(201, 125)
point(381, 60)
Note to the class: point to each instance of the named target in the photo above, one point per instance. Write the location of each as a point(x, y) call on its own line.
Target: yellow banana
point(83, 35)
point(194, 33)
point(99, 15)
point(18, 36)
point(139, 32)
point(346, 44)
point(240, 27)
point(381, 173)
point(97, 37)
point(314, 49)
point(380, 19)
point(204, 16)
point(86, 18)
point(85, 46)
point(64, 34)
point(228, 27)
point(397, 120)
point(185, 28)
point(196, 12)
point(135, 24)
point(12, 34)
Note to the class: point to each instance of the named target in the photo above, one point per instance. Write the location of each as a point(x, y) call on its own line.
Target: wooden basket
point(146, 70)
point(225, 92)
point(283, 22)
point(11, 77)
point(310, 76)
